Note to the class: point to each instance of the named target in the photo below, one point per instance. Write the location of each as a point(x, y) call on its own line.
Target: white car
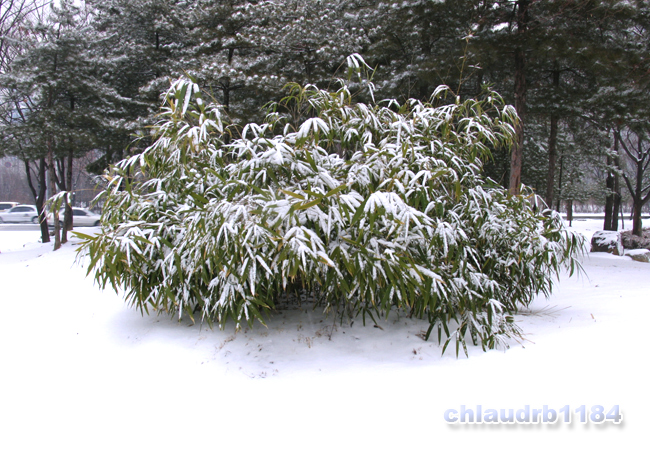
point(81, 217)
point(20, 213)
point(5, 206)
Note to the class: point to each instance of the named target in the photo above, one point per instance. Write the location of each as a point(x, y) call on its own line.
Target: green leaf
point(301, 206)
point(311, 161)
point(357, 215)
point(336, 190)
point(292, 194)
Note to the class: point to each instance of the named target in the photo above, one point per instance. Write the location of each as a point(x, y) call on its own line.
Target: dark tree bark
point(559, 191)
point(610, 212)
point(68, 207)
point(552, 161)
point(552, 144)
point(639, 155)
point(617, 195)
point(52, 187)
point(39, 193)
point(64, 181)
point(520, 90)
point(613, 199)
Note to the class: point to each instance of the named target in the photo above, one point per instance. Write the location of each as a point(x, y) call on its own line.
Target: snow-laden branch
point(361, 208)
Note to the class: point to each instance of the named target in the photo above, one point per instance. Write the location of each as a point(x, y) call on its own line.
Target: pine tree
point(14, 16)
point(621, 93)
point(58, 100)
point(229, 54)
point(244, 52)
point(635, 142)
point(136, 46)
point(418, 45)
point(15, 19)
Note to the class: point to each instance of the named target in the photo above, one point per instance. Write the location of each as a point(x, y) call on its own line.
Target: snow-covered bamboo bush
point(367, 208)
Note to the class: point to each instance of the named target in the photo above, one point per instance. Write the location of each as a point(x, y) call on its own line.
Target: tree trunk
point(613, 199)
point(52, 188)
point(559, 182)
point(552, 143)
point(617, 197)
point(552, 159)
point(569, 211)
point(520, 89)
point(39, 196)
point(641, 167)
point(516, 157)
point(61, 178)
point(67, 218)
point(637, 222)
point(610, 212)
point(639, 157)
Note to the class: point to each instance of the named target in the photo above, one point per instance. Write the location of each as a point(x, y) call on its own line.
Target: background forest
point(81, 82)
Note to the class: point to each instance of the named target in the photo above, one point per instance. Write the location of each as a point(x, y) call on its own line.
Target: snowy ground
point(80, 370)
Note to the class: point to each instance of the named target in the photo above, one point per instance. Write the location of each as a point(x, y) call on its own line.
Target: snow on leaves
point(367, 208)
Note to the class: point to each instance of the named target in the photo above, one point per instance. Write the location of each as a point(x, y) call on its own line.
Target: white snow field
point(82, 370)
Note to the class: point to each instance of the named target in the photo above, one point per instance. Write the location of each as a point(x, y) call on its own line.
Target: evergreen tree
point(58, 100)
point(15, 18)
point(417, 45)
point(621, 93)
point(229, 53)
point(244, 52)
point(635, 141)
point(137, 45)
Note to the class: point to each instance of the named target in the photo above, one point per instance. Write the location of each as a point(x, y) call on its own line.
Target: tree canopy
point(566, 67)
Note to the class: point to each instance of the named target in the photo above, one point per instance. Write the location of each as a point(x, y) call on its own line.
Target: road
point(27, 227)
point(19, 227)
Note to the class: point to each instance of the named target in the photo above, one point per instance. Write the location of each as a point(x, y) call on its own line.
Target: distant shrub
point(368, 208)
